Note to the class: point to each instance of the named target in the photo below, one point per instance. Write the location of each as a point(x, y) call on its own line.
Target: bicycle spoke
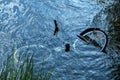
point(96, 38)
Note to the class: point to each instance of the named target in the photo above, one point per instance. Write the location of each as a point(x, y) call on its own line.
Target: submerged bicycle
point(95, 37)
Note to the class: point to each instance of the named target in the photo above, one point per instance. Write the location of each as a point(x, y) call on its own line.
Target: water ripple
point(41, 53)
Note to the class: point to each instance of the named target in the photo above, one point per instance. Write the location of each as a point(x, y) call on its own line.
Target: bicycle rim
point(97, 39)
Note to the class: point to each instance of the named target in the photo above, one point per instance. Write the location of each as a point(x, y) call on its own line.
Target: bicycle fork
point(82, 38)
point(88, 40)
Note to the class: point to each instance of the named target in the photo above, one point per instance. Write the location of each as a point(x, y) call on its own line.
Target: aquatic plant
point(11, 70)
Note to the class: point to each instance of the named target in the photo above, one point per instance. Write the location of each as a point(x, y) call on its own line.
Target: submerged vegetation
point(26, 70)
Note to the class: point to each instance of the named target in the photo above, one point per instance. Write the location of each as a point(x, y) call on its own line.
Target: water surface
point(29, 25)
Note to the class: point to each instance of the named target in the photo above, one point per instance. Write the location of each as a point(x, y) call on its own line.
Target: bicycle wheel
point(95, 37)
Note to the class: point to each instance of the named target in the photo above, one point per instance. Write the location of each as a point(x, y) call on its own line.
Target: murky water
point(29, 25)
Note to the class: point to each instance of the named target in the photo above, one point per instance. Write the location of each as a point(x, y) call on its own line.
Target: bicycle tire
point(90, 30)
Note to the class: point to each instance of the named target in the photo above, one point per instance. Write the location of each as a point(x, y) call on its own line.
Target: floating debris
point(56, 27)
point(67, 47)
